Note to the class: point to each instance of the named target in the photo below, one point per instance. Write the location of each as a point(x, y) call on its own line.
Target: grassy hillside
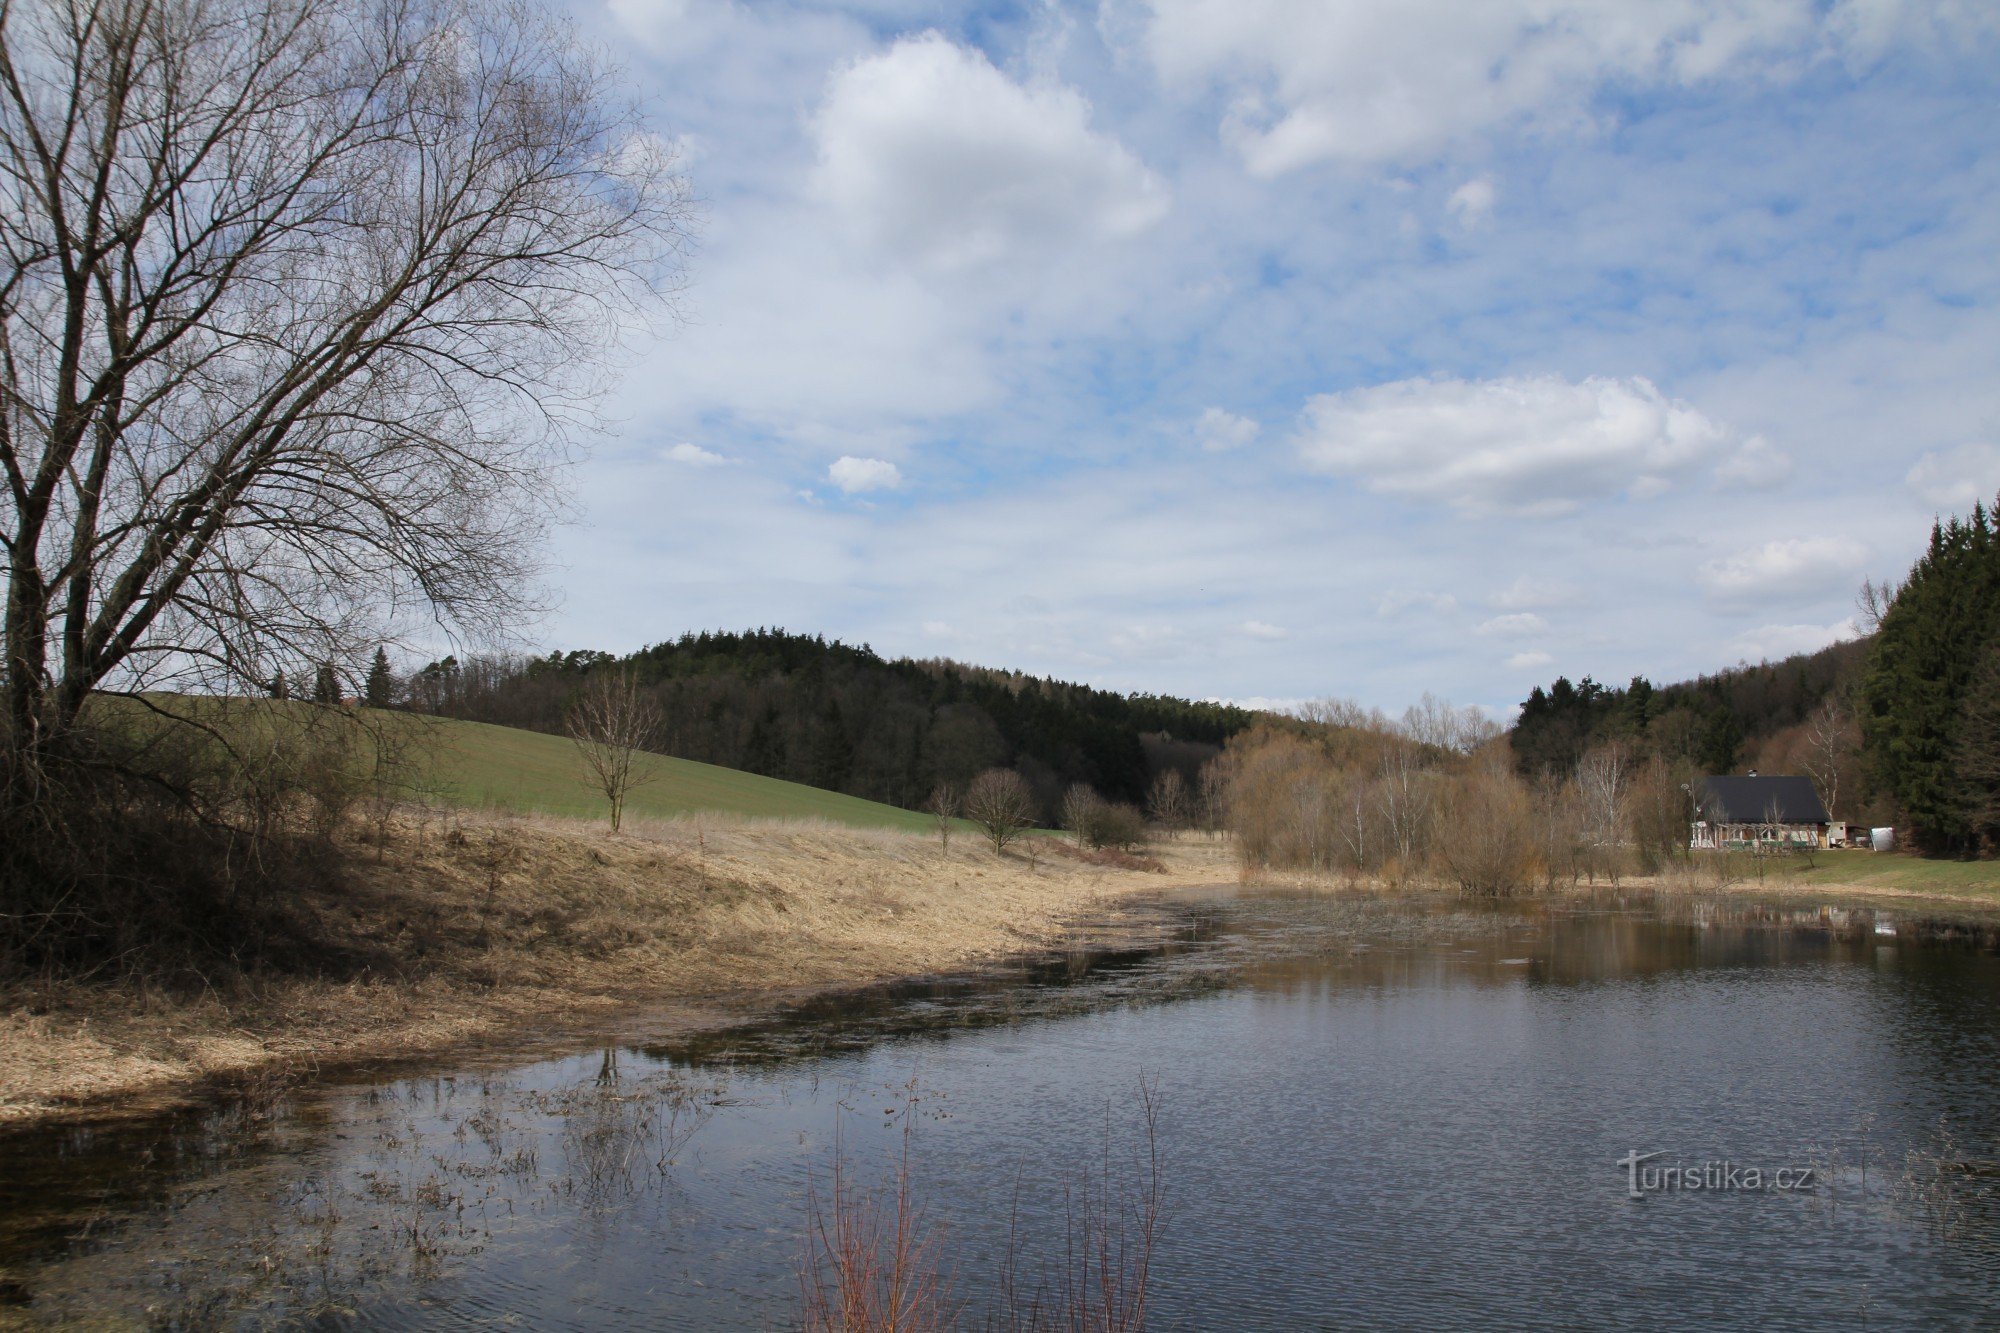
point(482, 766)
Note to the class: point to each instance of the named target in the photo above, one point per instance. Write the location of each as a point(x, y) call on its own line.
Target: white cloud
point(1788, 567)
point(1532, 594)
point(692, 455)
point(1756, 464)
point(1530, 445)
point(1520, 625)
point(1393, 604)
point(927, 150)
point(1348, 80)
point(1258, 629)
point(1959, 478)
point(1219, 431)
point(1529, 661)
point(855, 475)
point(1774, 642)
point(1472, 203)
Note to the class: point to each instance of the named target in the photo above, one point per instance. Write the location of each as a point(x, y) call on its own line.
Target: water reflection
point(1375, 1113)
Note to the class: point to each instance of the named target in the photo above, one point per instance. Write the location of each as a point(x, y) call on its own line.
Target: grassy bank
point(471, 925)
point(1858, 872)
point(487, 767)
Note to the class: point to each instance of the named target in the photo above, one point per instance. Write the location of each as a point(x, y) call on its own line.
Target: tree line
point(1901, 725)
point(843, 718)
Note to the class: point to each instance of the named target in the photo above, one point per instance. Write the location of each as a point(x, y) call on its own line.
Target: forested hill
point(1714, 723)
point(843, 718)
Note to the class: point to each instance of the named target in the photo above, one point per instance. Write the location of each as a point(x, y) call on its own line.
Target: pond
point(1601, 1112)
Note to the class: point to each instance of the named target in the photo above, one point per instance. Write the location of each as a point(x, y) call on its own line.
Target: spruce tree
point(326, 685)
point(1920, 674)
point(380, 687)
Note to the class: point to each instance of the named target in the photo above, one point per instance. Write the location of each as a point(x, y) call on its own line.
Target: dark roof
point(1749, 800)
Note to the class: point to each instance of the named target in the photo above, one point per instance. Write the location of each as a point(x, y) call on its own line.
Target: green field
point(1907, 874)
point(485, 766)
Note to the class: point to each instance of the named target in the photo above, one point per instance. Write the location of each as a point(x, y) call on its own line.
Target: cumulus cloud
point(1258, 629)
point(1774, 642)
point(928, 150)
point(1958, 478)
point(1530, 661)
point(692, 455)
point(1220, 431)
point(1534, 445)
point(1792, 566)
point(1756, 464)
point(1472, 203)
point(855, 475)
point(1338, 80)
point(1520, 625)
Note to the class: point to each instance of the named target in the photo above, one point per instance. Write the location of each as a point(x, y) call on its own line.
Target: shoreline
point(517, 933)
point(509, 932)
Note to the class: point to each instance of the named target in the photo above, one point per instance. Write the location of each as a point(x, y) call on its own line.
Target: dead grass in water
point(442, 933)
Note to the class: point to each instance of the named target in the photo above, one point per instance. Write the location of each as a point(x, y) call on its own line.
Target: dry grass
point(443, 933)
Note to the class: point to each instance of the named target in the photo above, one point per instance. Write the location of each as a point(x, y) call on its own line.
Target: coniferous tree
point(279, 689)
point(380, 688)
point(1915, 695)
point(1978, 750)
point(326, 685)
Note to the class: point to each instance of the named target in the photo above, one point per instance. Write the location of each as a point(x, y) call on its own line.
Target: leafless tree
point(1829, 747)
point(296, 320)
point(611, 721)
point(1212, 799)
point(942, 806)
point(1167, 800)
point(1001, 804)
point(1434, 721)
point(1603, 782)
point(1080, 807)
point(1405, 795)
point(1874, 601)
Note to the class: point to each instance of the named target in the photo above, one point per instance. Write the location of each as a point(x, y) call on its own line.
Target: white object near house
point(1882, 839)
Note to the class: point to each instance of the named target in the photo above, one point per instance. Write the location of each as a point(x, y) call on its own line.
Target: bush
point(1118, 826)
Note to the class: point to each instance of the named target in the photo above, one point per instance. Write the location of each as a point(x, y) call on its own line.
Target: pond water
point(1425, 1113)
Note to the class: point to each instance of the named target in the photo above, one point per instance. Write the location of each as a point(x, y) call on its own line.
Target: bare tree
point(1001, 804)
point(1604, 781)
point(1167, 800)
point(1080, 807)
point(1829, 746)
point(1874, 601)
point(942, 806)
point(1212, 799)
point(611, 721)
point(1405, 794)
point(299, 302)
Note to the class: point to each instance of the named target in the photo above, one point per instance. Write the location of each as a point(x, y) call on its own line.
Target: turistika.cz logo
point(1723, 1177)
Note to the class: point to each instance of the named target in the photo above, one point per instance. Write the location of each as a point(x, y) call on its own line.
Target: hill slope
point(485, 766)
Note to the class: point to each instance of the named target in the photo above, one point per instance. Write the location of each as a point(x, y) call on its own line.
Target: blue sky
point(1272, 349)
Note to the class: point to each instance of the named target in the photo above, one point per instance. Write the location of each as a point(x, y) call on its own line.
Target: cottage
point(1754, 811)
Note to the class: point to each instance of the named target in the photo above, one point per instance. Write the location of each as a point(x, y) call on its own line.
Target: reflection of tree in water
point(380, 1205)
point(617, 1134)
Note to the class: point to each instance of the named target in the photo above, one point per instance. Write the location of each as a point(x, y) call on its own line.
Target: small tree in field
point(611, 721)
point(1080, 807)
point(942, 806)
point(1001, 804)
point(1167, 801)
